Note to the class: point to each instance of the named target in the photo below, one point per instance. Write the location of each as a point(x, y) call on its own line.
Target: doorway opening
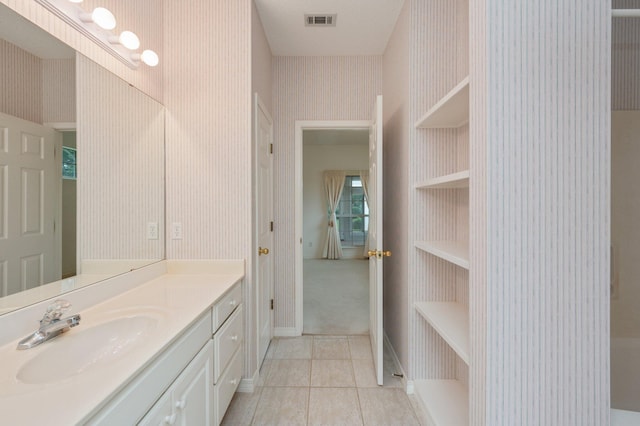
point(332, 290)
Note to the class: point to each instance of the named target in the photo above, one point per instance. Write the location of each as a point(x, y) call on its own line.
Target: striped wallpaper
point(310, 88)
point(120, 138)
point(625, 58)
point(547, 152)
point(396, 92)
point(59, 91)
point(208, 134)
point(20, 83)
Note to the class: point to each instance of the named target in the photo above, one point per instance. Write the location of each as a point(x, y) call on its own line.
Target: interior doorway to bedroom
point(335, 267)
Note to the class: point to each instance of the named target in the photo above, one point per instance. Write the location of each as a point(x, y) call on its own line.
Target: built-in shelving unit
point(451, 181)
point(445, 401)
point(443, 205)
point(456, 252)
point(452, 111)
point(451, 321)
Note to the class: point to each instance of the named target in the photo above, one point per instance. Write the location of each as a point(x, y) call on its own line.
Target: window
point(352, 213)
point(68, 163)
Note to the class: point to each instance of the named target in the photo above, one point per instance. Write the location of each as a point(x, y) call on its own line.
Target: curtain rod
point(625, 13)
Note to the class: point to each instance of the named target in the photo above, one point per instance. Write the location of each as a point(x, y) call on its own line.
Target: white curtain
point(333, 184)
point(364, 178)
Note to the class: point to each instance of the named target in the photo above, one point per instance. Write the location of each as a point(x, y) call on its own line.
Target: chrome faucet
point(51, 325)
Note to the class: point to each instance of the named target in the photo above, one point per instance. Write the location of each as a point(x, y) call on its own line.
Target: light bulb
point(150, 58)
point(75, 1)
point(102, 18)
point(127, 39)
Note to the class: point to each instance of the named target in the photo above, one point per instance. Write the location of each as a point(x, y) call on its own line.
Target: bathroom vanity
point(166, 351)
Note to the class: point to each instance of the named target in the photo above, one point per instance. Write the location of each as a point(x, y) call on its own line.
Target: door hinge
point(271, 226)
point(272, 304)
point(270, 148)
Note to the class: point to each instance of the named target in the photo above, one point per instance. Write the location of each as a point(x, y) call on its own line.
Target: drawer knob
point(234, 338)
point(233, 302)
point(170, 419)
point(181, 404)
point(234, 382)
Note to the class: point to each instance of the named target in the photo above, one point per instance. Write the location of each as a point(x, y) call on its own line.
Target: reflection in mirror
point(81, 169)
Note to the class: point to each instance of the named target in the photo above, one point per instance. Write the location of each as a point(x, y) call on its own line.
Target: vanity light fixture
point(127, 38)
point(97, 26)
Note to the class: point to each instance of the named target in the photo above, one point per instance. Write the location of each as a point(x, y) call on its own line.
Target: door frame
point(302, 125)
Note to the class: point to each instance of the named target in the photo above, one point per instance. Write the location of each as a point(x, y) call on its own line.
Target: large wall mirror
point(81, 169)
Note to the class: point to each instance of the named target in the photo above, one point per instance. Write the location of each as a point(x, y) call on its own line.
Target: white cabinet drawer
point(226, 387)
point(226, 341)
point(223, 308)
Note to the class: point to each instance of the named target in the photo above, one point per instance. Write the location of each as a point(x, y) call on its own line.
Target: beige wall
point(21, 83)
point(59, 91)
point(310, 88)
point(208, 95)
point(317, 159)
point(120, 167)
point(396, 68)
point(625, 59)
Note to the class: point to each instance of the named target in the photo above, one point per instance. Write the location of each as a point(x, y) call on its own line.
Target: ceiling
point(336, 137)
point(363, 27)
point(22, 33)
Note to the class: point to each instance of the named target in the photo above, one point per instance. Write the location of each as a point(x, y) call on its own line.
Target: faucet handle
point(54, 311)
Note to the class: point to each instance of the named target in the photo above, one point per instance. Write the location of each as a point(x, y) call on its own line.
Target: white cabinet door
point(189, 400)
point(161, 413)
point(193, 390)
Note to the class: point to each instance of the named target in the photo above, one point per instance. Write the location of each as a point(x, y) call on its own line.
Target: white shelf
point(451, 111)
point(456, 252)
point(446, 402)
point(451, 321)
point(452, 181)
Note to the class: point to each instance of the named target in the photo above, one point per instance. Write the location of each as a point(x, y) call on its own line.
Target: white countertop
point(176, 299)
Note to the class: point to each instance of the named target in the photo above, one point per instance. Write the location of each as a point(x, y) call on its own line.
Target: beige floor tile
point(423, 419)
point(294, 348)
point(331, 348)
point(242, 408)
point(289, 372)
point(282, 406)
point(360, 347)
point(364, 373)
point(271, 349)
point(332, 373)
point(386, 406)
point(264, 372)
point(334, 406)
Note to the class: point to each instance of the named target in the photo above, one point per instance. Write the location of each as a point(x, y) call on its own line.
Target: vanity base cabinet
point(189, 400)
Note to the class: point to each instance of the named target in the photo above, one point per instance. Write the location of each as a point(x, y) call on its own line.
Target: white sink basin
point(78, 350)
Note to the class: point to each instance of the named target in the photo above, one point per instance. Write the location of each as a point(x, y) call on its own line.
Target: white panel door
point(264, 226)
point(30, 193)
point(376, 253)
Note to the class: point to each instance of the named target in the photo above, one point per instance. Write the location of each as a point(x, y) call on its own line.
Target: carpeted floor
point(336, 297)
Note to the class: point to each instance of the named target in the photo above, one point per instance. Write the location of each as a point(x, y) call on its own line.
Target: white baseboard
point(249, 385)
point(285, 332)
point(407, 384)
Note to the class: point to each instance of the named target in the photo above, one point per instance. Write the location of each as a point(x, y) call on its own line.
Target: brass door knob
point(262, 251)
point(371, 253)
point(386, 253)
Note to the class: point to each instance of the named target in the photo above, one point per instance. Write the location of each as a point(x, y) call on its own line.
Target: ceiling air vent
point(320, 20)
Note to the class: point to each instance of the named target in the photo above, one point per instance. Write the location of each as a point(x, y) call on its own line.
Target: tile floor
point(323, 380)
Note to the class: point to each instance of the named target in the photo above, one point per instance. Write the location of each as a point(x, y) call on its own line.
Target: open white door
point(264, 227)
point(376, 253)
point(30, 190)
